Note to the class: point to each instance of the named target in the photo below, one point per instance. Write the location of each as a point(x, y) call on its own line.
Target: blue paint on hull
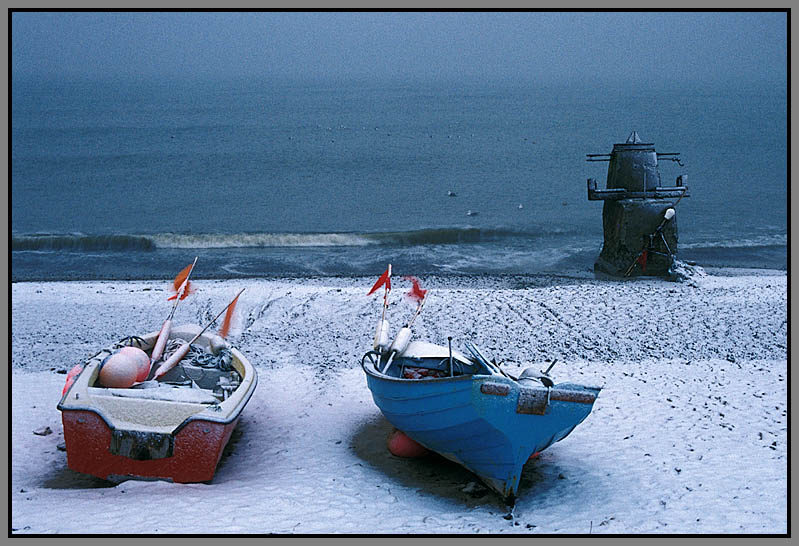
point(483, 432)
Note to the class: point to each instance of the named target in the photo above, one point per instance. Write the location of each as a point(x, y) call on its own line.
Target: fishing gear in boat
point(403, 338)
point(181, 284)
point(543, 377)
point(123, 366)
point(492, 368)
point(398, 346)
point(183, 350)
point(200, 357)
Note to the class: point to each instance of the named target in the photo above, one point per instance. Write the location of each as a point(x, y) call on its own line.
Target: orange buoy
point(73, 373)
point(401, 445)
point(141, 359)
point(119, 371)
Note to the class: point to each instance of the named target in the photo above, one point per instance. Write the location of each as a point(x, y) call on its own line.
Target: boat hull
point(155, 433)
point(197, 448)
point(489, 424)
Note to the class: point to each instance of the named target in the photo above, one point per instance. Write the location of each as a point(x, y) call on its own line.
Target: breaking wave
point(82, 242)
point(256, 240)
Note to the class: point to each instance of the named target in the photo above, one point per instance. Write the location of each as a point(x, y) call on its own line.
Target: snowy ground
point(689, 434)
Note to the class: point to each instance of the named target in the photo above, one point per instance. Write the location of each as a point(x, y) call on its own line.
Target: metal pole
point(451, 369)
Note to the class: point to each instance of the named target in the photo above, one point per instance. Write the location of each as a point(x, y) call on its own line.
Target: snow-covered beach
point(689, 434)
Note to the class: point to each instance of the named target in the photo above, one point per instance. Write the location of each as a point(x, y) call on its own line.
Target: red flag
point(385, 278)
point(642, 260)
point(416, 293)
point(178, 282)
point(223, 331)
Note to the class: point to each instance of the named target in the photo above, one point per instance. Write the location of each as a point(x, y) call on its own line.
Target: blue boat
point(473, 413)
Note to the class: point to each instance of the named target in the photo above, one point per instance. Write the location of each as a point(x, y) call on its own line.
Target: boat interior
point(186, 382)
point(425, 361)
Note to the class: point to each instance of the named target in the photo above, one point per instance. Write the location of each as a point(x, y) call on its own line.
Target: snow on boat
point(471, 412)
point(174, 428)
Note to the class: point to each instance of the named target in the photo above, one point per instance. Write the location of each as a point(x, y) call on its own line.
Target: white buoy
point(401, 341)
point(217, 343)
point(382, 341)
point(669, 214)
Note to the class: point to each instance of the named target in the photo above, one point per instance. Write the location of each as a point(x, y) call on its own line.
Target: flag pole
point(381, 340)
point(178, 355)
point(385, 294)
point(163, 335)
point(182, 289)
point(404, 335)
point(418, 310)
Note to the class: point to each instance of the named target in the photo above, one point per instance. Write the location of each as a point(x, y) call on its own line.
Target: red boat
point(174, 428)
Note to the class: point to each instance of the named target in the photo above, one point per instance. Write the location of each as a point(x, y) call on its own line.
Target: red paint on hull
point(197, 449)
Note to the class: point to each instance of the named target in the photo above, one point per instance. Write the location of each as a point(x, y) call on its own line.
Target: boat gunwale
point(205, 415)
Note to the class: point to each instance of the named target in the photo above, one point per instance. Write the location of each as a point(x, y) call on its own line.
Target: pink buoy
point(118, 371)
point(401, 445)
point(141, 359)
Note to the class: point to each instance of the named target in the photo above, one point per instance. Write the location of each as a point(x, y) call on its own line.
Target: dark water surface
point(132, 180)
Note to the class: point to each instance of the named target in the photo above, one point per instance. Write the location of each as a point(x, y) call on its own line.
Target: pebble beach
point(688, 435)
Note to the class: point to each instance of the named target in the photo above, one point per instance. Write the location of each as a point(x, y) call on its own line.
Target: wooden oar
point(178, 355)
point(163, 335)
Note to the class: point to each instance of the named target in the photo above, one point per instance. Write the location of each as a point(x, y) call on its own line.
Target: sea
point(278, 177)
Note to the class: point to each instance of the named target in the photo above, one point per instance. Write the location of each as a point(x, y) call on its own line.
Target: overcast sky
point(658, 48)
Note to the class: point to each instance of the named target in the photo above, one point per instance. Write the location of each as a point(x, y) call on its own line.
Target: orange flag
point(223, 331)
point(178, 283)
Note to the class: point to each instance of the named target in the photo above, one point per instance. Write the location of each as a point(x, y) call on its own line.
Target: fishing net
point(412, 372)
point(198, 356)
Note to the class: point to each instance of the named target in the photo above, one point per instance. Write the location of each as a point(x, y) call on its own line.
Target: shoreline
point(582, 274)
point(551, 316)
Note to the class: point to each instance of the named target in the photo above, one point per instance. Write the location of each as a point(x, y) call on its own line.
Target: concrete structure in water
point(640, 233)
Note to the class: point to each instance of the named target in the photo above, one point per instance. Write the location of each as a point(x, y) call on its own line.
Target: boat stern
point(189, 455)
